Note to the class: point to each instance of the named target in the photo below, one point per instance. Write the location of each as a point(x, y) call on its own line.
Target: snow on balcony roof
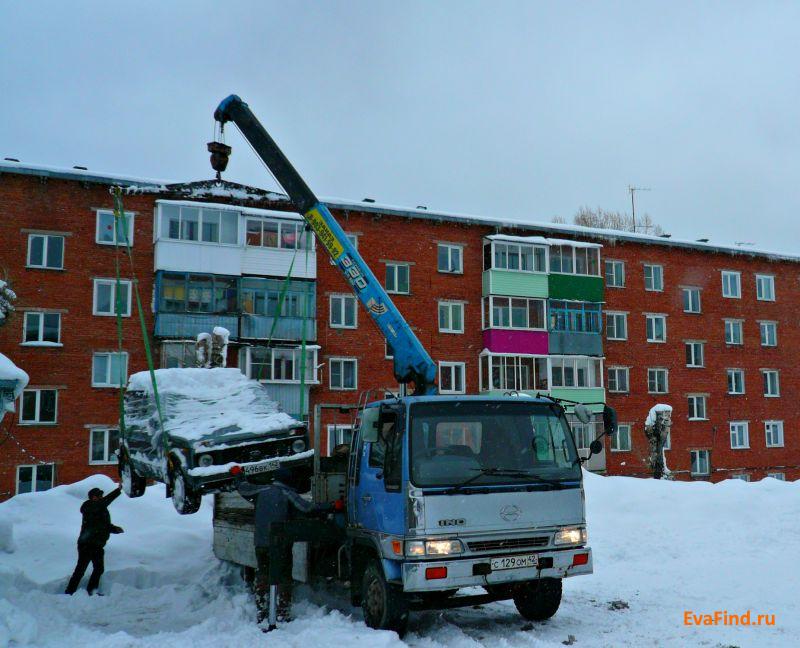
point(251, 211)
point(541, 240)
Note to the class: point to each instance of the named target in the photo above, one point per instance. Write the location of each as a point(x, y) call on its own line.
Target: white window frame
point(45, 246)
point(333, 433)
point(40, 342)
point(731, 372)
point(771, 372)
point(448, 307)
point(767, 280)
point(766, 326)
point(617, 317)
point(727, 286)
point(342, 300)
point(731, 326)
point(616, 264)
point(777, 475)
point(739, 435)
point(38, 419)
point(342, 360)
point(773, 434)
point(108, 355)
point(696, 399)
point(113, 284)
point(706, 460)
point(395, 265)
point(111, 457)
point(613, 385)
point(692, 292)
point(128, 215)
point(693, 346)
point(450, 247)
point(296, 351)
point(652, 317)
point(616, 437)
point(741, 477)
point(519, 246)
point(655, 370)
point(452, 367)
point(651, 267)
point(35, 468)
point(490, 301)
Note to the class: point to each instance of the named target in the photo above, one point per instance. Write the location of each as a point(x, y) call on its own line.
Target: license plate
point(514, 562)
point(267, 466)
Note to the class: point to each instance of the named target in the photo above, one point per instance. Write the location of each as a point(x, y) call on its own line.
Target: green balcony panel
point(582, 395)
point(516, 284)
point(575, 287)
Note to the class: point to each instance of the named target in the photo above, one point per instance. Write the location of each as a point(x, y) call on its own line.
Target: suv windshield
point(489, 442)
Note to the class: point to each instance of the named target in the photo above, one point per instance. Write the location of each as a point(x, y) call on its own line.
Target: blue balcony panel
point(575, 343)
point(189, 325)
point(287, 328)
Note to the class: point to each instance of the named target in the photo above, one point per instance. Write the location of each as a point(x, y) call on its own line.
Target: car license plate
point(514, 562)
point(267, 466)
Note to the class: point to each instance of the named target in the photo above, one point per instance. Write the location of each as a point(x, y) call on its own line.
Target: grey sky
point(512, 109)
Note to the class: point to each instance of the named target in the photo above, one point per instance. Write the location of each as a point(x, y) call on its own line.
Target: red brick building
point(60, 261)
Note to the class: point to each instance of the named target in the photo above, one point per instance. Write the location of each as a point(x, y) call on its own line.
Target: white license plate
point(263, 467)
point(514, 562)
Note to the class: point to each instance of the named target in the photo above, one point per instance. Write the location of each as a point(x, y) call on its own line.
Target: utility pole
point(632, 190)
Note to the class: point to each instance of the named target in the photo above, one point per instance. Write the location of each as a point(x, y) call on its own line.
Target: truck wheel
point(133, 484)
point(538, 600)
point(184, 499)
point(384, 604)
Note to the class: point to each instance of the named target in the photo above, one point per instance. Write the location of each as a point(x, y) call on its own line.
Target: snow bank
point(10, 371)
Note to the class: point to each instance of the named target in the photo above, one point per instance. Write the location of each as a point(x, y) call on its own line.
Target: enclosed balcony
point(189, 304)
point(575, 328)
point(515, 265)
point(261, 302)
point(514, 325)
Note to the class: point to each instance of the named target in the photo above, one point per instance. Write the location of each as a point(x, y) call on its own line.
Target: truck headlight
point(433, 547)
point(205, 460)
point(570, 535)
point(298, 445)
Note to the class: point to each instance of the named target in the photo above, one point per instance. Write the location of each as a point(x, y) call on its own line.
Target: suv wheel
point(538, 600)
point(384, 604)
point(133, 484)
point(184, 499)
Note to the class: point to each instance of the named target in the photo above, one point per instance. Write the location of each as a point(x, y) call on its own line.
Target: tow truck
point(439, 501)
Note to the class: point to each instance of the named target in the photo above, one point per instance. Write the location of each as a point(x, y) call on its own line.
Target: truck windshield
point(489, 442)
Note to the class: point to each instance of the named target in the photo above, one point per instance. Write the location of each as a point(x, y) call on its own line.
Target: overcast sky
point(520, 110)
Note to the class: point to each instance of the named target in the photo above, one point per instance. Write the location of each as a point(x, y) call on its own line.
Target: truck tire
point(184, 499)
point(538, 600)
point(133, 484)
point(383, 603)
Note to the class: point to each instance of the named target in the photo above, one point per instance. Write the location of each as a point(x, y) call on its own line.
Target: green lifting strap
point(303, 340)
point(121, 218)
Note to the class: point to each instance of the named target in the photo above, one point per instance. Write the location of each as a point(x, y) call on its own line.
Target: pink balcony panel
point(503, 341)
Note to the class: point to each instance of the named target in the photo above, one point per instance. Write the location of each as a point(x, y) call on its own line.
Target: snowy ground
point(662, 548)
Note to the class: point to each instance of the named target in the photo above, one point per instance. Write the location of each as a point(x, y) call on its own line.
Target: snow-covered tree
point(7, 299)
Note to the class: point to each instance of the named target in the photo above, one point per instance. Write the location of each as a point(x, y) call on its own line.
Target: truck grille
point(509, 543)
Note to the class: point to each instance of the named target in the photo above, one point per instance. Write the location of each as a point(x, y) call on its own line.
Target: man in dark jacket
point(95, 530)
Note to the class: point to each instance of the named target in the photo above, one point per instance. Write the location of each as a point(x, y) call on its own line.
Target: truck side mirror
point(596, 447)
point(609, 420)
point(583, 413)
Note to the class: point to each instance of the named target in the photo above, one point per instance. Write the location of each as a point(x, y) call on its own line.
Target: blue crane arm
point(412, 364)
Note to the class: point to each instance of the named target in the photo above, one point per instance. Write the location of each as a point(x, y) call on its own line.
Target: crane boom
point(412, 363)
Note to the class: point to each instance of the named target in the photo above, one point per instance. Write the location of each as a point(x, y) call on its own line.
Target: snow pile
point(661, 548)
point(10, 371)
point(201, 402)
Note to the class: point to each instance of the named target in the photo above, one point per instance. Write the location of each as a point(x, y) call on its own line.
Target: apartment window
point(657, 381)
point(777, 475)
point(46, 251)
point(105, 297)
point(697, 408)
point(281, 364)
point(450, 258)
point(769, 333)
point(109, 369)
point(691, 300)
point(618, 379)
point(617, 326)
point(621, 439)
point(735, 381)
point(176, 355)
point(388, 351)
point(343, 311)
point(33, 479)
point(397, 278)
point(41, 329)
point(772, 386)
point(510, 372)
point(451, 378)
point(656, 328)
point(731, 284)
point(194, 293)
point(206, 225)
point(111, 231)
point(269, 233)
point(765, 287)
point(700, 463)
point(774, 433)
point(103, 445)
point(579, 317)
point(653, 277)
point(39, 406)
point(451, 317)
point(615, 274)
point(258, 296)
point(514, 313)
point(583, 434)
point(740, 435)
point(566, 259)
point(694, 354)
point(518, 257)
point(733, 332)
point(339, 434)
point(353, 238)
point(343, 373)
point(576, 371)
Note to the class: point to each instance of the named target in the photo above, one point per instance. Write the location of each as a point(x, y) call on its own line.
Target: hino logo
point(455, 522)
point(510, 513)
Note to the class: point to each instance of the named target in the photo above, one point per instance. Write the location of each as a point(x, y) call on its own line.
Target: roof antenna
point(632, 190)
